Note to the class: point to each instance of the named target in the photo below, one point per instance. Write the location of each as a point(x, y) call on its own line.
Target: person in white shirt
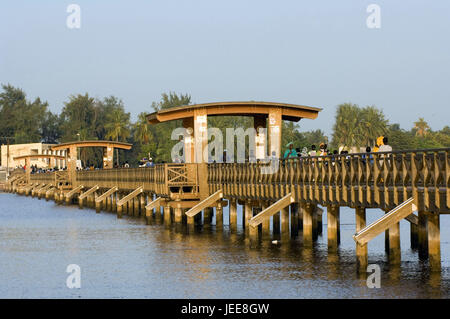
point(385, 147)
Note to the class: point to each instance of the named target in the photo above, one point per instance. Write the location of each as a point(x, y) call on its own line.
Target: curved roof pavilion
point(290, 112)
point(269, 115)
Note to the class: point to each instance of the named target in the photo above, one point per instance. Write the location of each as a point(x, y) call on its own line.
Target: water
point(124, 258)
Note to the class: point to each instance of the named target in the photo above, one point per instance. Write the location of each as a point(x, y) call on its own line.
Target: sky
point(316, 53)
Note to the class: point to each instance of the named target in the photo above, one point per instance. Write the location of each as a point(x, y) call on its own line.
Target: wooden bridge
point(409, 184)
point(281, 198)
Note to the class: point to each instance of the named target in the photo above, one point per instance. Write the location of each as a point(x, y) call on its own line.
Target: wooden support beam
point(70, 194)
point(413, 219)
point(129, 197)
point(107, 193)
point(385, 222)
point(271, 210)
point(207, 202)
point(90, 191)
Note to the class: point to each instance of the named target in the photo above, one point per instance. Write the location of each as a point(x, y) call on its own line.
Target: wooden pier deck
point(407, 184)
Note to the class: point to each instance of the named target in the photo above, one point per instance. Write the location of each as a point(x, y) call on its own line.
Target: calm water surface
point(127, 259)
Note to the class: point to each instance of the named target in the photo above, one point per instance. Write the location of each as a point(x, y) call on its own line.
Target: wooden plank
point(207, 202)
point(413, 219)
point(380, 225)
point(107, 193)
point(87, 193)
point(271, 210)
point(130, 196)
point(154, 204)
point(74, 191)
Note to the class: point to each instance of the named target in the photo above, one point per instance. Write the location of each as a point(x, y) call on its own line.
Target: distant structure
point(17, 150)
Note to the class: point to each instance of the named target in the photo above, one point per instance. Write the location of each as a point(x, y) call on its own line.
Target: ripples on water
point(127, 259)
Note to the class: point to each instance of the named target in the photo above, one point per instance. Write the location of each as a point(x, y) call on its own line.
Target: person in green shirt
point(290, 152)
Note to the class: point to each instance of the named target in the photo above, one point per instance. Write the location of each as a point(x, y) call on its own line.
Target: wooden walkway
point(279, 199)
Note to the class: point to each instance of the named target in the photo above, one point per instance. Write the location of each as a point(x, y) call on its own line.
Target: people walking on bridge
point(313, 151)
point(323, 149)
point(290, 152)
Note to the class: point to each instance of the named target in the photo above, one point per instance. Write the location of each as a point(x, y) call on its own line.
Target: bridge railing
point(376, 179)
point(151, 178)
point(43, 178)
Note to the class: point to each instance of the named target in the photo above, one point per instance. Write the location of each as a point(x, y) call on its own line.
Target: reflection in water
point(125, 258)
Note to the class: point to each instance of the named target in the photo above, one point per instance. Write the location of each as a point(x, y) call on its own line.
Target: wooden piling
point(394, 244)
point(307, 224)
point(294, 219)
point(332, 227)
point(248, 214)
point(265, 233)
point(361, 250)
point(423, 235)
point(219, 217)
point(233, 215)
point(434, 241)
point(285, 233)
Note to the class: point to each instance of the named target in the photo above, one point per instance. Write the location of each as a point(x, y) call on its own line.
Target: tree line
point(84, 117)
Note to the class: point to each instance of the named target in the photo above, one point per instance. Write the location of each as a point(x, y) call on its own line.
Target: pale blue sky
point(317, 53)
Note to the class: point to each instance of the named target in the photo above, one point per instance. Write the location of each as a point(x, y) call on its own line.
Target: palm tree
point(117, 127)
point(143, 133)
point(421, 127)
point(374, 124)
point(347, 127)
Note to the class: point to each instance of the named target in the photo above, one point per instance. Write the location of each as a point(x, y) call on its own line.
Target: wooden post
point(307, 224)
point(315, 222)
point(114, 203)
point(248, 213)
point(167, 217)
point(178, 217)
point(207, 216)
point(285, 223)
point(142, 203)
point(394, 244)
point(294, 219)
point(219, 216)
point(434, 241)
point(423, 235)
point(361, 250)
point(265, 224)
point(414, 235)
point(233, 215)
point(332, 227)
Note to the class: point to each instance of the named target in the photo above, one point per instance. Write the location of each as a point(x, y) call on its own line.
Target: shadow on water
point(124, 258)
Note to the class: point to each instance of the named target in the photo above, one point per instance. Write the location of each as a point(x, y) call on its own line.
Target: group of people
point(382, 145)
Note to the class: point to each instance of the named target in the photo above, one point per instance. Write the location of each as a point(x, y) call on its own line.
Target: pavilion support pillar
point(361, 250)
point(136, 206)
point(332, 227)
point(307, 224)
point(423, 235)
point(233, 215)
point(178, 217)
point(434, 241)
point(285, 234)
point(394, 244)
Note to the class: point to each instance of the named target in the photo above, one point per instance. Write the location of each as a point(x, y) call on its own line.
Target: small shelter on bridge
point(28, 158)
point(108, 152)
point(267, 115)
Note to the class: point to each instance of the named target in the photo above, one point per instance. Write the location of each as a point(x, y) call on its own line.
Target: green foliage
point(86, 118)
point(355, 126)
